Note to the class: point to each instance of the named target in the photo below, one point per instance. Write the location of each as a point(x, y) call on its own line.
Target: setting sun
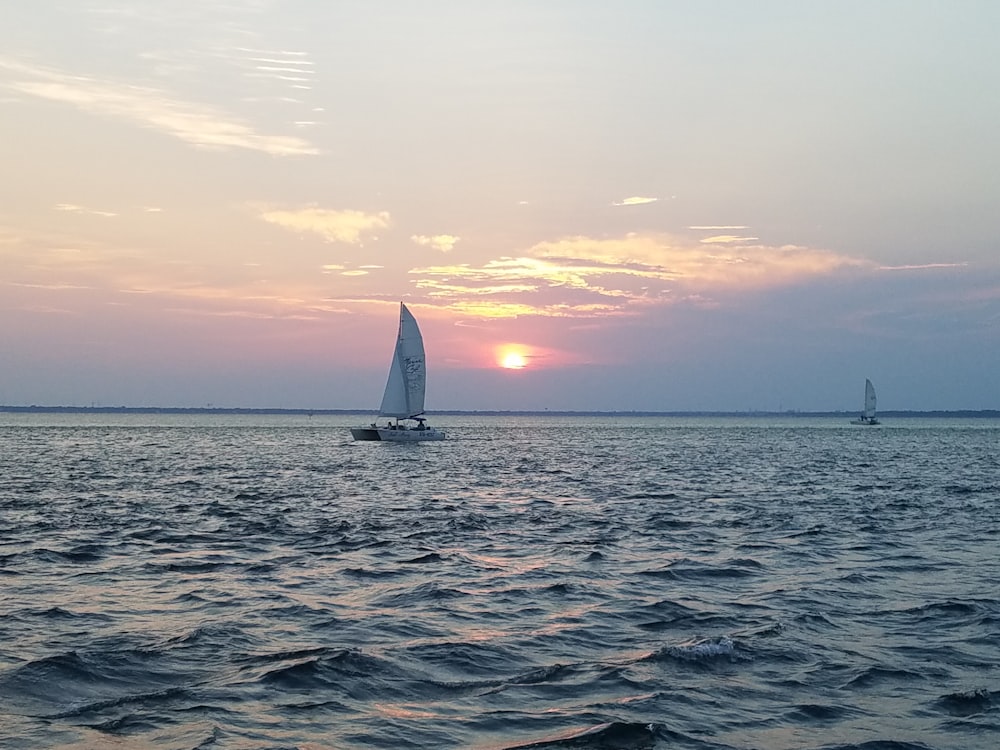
point(514, 361)
point(512, 357)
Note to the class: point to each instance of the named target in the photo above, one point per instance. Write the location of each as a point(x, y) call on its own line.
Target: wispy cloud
point(442, 242)
point(635, 200)
point(281, 65)
point(53, 287)
point(727, 239)
point(720, 227)
point(346, 226)
point(73, 208)
point(922, 267)
point(199, 125)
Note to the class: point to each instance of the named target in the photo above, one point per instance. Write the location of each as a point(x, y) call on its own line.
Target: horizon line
point(95, 409)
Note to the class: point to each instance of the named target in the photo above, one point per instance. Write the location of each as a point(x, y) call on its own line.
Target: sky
point(645, 205)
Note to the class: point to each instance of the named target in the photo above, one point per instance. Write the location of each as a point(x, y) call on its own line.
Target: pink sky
point(657, 207)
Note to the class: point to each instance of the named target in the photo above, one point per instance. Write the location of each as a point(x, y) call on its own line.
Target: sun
point(512, 356)
point(513, 361)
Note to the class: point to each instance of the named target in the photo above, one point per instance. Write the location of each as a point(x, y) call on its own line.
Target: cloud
point(51, 259)
point(491, 309)
point(280, 65)
point(727, 239)
point(51, 287)
point(635, 200)
point(347, 226)
point(442, 242)
point(199, 125)
point(923, 267)
point(59, 266)
point(600, 277)
point(661, 257)
point(73, 208)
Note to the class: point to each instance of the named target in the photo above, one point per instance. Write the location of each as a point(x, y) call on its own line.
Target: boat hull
point(866, 422)
point(389, 435)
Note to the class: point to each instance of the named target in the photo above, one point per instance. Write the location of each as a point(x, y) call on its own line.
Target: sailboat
point(868, 415)
point(403, 400)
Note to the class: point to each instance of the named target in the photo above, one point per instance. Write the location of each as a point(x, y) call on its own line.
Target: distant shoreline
point(938, 413)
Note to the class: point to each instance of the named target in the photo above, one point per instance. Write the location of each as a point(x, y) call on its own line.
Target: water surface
point(251, 581)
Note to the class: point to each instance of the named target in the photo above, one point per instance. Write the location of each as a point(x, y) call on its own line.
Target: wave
point(692, 570)
point(814, 713)
point(430, 557)
point(616, 734)
point(84, 553)
point(374, 575)
point(147, 701)
point(702, 651)
point(875, 676)
point(423, 592)
point(60, 613)
point(467, 659)
point(879, 745)
point(322, 668)
point(969, 702)
point(673, 616)
point(90, 682)
point(952, 609)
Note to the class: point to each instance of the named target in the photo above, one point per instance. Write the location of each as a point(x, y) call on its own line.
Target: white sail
point(403, 400)
point(869, 400)
point(404, 389)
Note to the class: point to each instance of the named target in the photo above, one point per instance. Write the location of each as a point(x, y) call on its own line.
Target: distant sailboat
point(868, 415)
point(403, 400)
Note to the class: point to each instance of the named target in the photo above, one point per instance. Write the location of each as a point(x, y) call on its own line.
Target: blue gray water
point(264, 582)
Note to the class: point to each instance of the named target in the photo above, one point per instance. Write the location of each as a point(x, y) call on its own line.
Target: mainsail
point(869, 399)
point(404, 389)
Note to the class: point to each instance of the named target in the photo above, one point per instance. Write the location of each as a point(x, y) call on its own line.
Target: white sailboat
point(403, 400)
point(868, 415)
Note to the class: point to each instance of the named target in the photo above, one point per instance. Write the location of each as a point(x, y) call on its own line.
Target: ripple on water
point(536, 582)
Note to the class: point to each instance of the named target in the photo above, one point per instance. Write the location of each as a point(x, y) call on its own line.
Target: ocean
point(261, 581)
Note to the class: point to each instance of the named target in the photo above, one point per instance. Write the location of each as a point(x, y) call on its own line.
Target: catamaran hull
point(395, 436)
point(866, 422)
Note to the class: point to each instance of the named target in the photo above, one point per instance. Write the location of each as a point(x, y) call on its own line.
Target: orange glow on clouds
point(345, 225)
point(584, 277)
